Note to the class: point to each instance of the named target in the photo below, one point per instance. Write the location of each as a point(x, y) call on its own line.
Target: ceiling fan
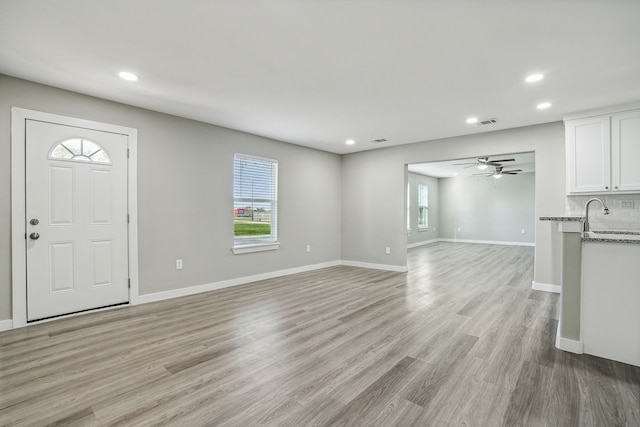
point(484, 162)
point(498, 172)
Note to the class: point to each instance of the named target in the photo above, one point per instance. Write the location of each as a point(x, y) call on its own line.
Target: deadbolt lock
point(34, 221)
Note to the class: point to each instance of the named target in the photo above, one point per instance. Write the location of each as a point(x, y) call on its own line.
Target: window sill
point(423, 229)
point(246, 249)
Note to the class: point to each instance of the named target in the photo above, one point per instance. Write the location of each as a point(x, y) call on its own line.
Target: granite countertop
point(598, 236)
point(562, 218)
point(607, 236)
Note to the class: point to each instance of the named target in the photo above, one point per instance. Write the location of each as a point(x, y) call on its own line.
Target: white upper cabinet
point(603, 153)
point(625, 151)
point(588, 154)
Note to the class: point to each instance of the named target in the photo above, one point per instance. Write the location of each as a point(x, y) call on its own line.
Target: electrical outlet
point(387, 250)
point(626, 204)
point(308, 248)
point(178, 264)
point(522, 231)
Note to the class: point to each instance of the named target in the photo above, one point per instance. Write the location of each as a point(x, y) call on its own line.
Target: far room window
point(423, 206)
point(255, 204)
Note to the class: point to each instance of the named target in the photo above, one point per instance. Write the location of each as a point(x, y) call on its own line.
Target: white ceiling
point(452, 168)
point(318, 72)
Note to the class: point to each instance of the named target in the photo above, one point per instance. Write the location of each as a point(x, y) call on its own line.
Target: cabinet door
point(588, 155)
point(625, 151)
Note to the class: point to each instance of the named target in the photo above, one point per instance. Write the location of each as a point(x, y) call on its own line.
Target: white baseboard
point(386, 267)
point(487, 242)
point(191, 290)
point(426, 242)
point(546, 287)
point(175, 293)
point(5, 325)
point(569, 345)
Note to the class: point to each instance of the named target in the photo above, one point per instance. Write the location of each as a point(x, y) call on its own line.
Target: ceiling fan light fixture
point(482, 166)
point(497, 175)
point(472, 120)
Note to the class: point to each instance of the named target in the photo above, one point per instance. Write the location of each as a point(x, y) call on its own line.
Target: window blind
point(255, 200)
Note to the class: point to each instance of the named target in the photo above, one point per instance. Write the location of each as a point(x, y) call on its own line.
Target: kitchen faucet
point(585, 227)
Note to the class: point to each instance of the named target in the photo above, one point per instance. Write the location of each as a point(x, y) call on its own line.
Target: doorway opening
point(487, 199)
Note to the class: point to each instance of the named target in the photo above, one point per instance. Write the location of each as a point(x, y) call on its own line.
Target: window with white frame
point(255, 204)
point(423, 206)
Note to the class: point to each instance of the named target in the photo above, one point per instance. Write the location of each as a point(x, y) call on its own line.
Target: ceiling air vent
point(377, 141)
point(487, 122)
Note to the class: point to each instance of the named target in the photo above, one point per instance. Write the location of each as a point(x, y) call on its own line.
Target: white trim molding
point(571, 346)
point(19, 116)
point(426, 242)
point(191, 290)
point(385, 267)
point(488, 242)
point(546, 287)
point(247, 249)
point(5, 325)
point(175, 293)
point(482, 242)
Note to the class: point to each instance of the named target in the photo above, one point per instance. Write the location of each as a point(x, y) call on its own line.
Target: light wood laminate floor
point(459, 340)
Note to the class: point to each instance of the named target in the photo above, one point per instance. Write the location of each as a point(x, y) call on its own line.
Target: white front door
point(76, 219)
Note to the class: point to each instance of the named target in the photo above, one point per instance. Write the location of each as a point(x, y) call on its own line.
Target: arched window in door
point(80, 150)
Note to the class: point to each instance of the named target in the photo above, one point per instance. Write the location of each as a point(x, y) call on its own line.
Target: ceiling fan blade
point(515, 172)
point(491, 173)
point(493, 163)
point(504, 160)
point(462, 164)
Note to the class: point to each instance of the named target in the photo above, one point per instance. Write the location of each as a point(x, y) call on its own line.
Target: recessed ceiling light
point(349, 142)
point(532, 78)
point(543, 105)
point(125, 75)
point(472, 120)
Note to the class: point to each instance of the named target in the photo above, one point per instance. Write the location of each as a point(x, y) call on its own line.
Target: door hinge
point(129, 283)
point(127, 218)
point(25, 236)
point(127, 153)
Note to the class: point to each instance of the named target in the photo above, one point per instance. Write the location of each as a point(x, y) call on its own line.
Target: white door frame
point(18, 200)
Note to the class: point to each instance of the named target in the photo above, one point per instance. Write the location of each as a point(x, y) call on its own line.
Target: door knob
point(34, 221)
point(34, 236)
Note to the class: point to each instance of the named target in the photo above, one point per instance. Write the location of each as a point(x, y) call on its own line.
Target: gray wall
point(348, 207)
point(485, 208)
point(185, 193)
point(416, 236)
point(375, 181)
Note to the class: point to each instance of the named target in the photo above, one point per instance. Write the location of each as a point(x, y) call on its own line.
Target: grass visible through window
point(242, 228)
